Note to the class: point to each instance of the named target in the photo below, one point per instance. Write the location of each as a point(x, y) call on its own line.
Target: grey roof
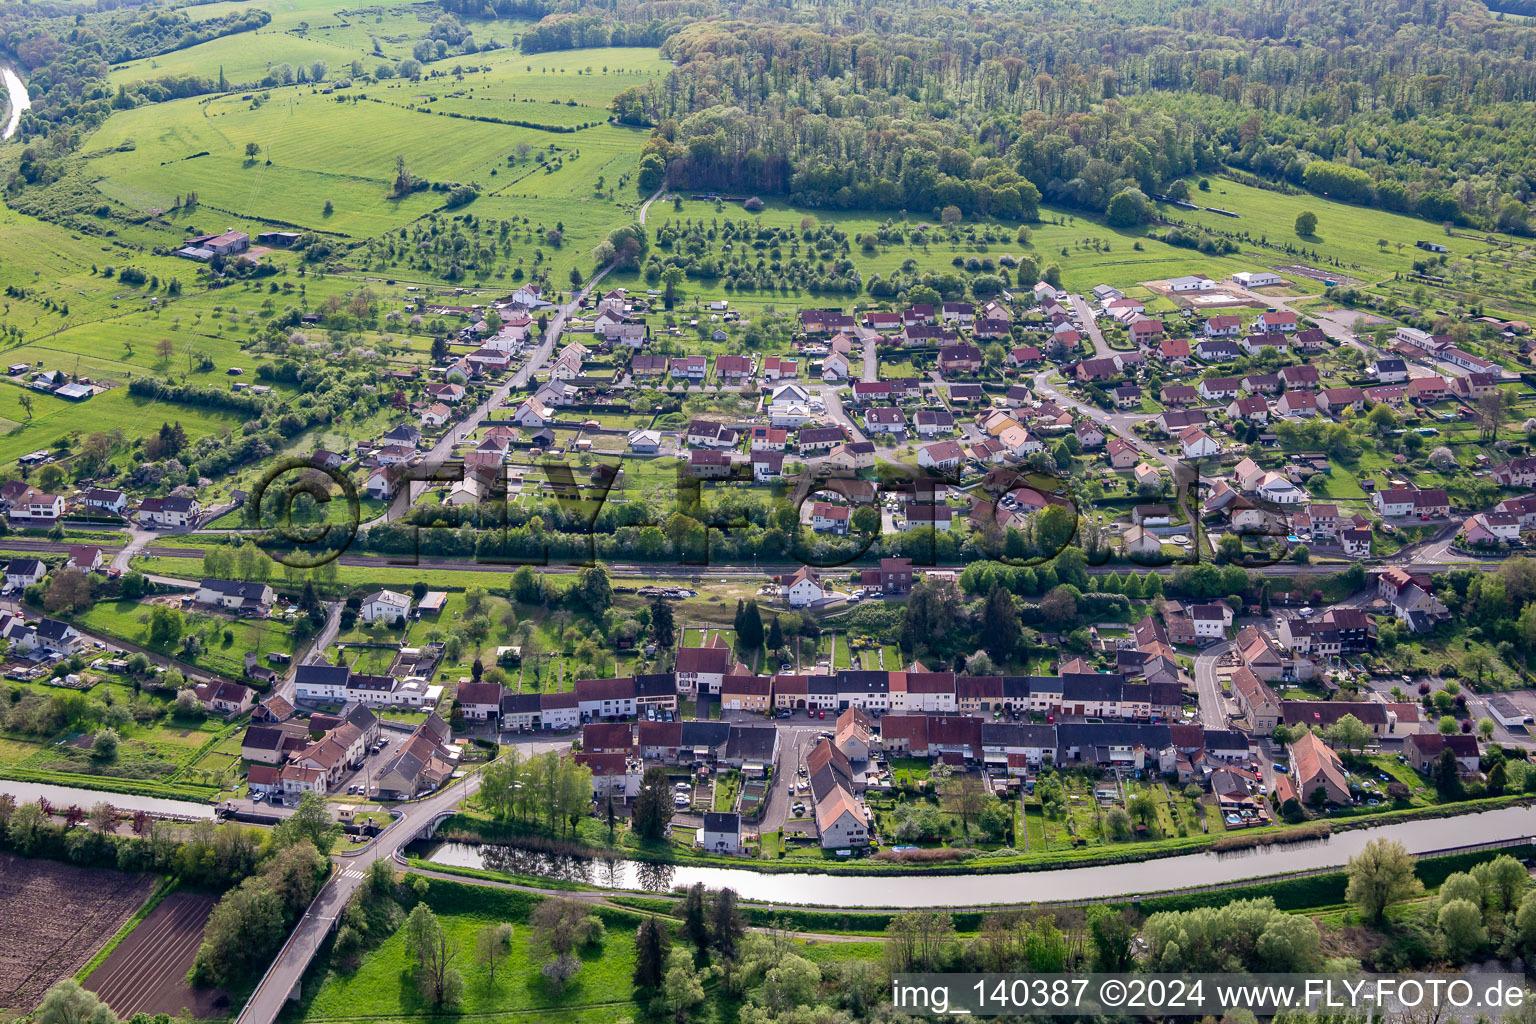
point(321, 674)
point(262, 738)
point(519, 703)
point(857, 681)
point(1011, 734)
point(822, 782)
point(53, 629)
point(1091, 686)
point(705, 734)
point(234, 588)
point(752, 743)
point(1092, 734)
point(656, 684)
point(1225, 739)
point(406, 764)
point(722, 821)
point(1016, 688)
point(359, 715)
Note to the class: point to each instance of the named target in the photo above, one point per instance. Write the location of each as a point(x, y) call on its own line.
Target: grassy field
point(1344, 232)
point(566, 88)
point(301, 32)
point(382, 987)
point(317, 149)
point(222, 642)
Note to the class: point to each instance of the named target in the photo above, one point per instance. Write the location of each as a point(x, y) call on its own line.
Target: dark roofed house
point(721, 832)
point(753, 748)
point(1424, 750)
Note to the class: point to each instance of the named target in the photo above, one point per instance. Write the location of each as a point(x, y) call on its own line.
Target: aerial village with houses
point(626, 512)
point(1235, 592)
point(1042, 577)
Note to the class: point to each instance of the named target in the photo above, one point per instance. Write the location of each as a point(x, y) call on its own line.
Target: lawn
point(222, 642)
point(382, 987)
point(727, 786)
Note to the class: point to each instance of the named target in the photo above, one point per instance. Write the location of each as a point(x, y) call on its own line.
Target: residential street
point(1086, 320)
point(1208, 686)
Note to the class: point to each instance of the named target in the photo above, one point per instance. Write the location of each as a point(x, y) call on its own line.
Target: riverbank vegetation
point(707, 956)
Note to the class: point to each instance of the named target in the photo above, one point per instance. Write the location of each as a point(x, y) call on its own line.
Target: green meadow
point(300, 32)
point(317, 153)
point(566, 88)
point(1345, 232)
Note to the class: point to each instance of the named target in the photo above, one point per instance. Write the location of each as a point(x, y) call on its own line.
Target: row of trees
point(544, 788)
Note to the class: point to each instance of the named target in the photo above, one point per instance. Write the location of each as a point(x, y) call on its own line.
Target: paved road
point(1118, 422)
point(795, 741)
point(1208, 687)
point(1088, 323)
point(286, 971)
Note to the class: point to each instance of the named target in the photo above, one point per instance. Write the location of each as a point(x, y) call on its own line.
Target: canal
point(959, 890)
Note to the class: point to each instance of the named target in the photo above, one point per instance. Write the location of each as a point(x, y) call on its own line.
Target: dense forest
point(1414, 105)
point(1417, 106)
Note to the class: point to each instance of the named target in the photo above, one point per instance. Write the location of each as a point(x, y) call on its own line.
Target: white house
point(385, 606)
point(1257, 278)
point(85, 556)
point(841, 820)
point(235, 595)
point(1506, 712)
point(834, 367)
point(787, 395)
point(1211, 620)
point(1197, 444)
point(1277, 488)
point(533, 413)
point(1191, 283)
point(941, 455)
point(23, 572)
point(1140, 541)
point(721, 832)
point(321, 682)
point(102, 499)
point(162, 511)
point(381, 483)
point(530, 295)
point(803, 588)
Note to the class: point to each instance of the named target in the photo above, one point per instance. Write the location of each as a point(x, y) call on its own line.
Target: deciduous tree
point(1379, 876)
